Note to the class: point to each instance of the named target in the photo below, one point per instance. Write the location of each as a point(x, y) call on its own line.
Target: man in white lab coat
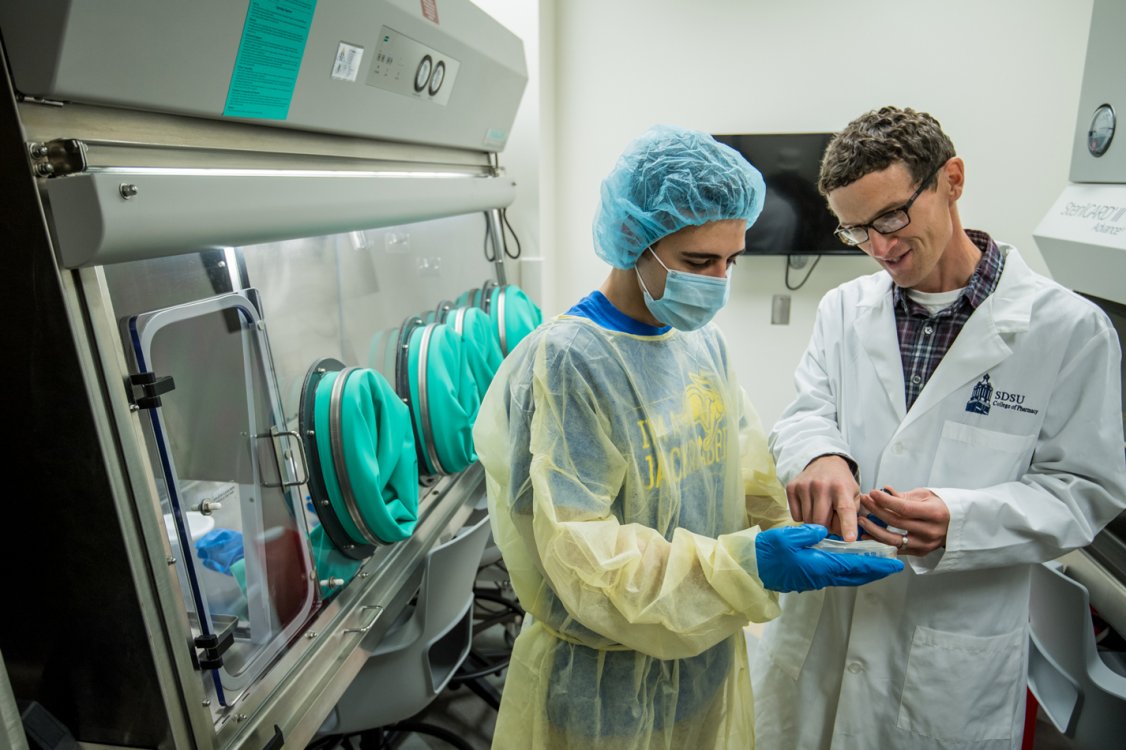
point(960, 407)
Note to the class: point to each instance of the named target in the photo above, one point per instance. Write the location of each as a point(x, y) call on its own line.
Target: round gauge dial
point(422, 75)
point(1101, 132)
point(438, 77)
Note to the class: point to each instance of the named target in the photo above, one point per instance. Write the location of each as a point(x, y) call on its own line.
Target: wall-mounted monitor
point(795, 219)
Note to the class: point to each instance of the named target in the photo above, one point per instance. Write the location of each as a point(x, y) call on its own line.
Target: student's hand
point(787, 562)
point(826, 493)
point(921, 514)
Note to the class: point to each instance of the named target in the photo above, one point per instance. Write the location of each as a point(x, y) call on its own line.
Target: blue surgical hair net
point(667, 179)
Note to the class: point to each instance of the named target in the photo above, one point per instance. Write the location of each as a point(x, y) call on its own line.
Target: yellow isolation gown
point(627, 479)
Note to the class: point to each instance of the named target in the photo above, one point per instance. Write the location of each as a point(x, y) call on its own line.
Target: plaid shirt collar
point(982, 283)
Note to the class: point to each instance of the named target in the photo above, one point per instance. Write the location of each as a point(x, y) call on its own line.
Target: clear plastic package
point(868, 547)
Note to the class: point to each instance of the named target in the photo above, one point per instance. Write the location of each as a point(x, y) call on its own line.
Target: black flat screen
point(795, 218)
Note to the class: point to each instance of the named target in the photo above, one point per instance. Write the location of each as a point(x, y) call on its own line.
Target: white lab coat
point(936, 656)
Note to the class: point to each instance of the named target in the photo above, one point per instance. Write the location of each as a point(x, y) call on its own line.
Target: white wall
point(528, 156)
point(1002, 76)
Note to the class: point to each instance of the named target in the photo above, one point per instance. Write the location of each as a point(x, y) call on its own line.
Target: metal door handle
point(274, 435)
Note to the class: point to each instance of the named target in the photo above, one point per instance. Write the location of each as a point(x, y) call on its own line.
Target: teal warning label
point(269, 58)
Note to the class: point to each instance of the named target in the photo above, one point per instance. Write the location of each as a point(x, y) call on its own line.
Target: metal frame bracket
point(212, 646)
point(145, 388)
point(58, 157)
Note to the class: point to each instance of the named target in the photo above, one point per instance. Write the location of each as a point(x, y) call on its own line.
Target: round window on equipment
point(437, 77)
point(1101, 132)
point(422, 74)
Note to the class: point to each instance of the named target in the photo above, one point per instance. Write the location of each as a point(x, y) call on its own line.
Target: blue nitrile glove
point(218, 549)
point(786, 562)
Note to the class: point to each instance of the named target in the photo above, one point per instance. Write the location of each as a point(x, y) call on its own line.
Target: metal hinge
point(57, 158)
point(144, 389)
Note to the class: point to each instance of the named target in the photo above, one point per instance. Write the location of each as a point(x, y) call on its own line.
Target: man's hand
point(827, 494)
point(787, 561)
point(921, 514)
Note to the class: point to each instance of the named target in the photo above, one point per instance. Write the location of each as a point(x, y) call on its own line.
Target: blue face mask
point(690, 299)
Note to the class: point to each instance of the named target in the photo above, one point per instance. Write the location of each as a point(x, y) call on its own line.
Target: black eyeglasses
point(885, 223)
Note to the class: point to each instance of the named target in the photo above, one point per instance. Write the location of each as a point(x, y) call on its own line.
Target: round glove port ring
point(443, 398)
point(366, 456)
point(403, 384)
point(482, 347)
point(469, 298)
point(318, 492)
point(486, 298)
point(513, 314)
point(336, 450)
point(443, 310)
point(373, 446)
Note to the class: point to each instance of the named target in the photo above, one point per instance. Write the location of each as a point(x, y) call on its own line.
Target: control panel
point(405, 66)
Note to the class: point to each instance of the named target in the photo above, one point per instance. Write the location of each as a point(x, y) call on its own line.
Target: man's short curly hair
point(877, 139)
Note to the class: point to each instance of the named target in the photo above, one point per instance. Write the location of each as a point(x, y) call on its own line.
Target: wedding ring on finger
point(903, 544)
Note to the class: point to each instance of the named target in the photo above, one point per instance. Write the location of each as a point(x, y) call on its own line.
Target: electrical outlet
point(780, 310)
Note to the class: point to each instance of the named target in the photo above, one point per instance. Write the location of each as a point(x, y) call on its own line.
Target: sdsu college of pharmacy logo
point(986, 397)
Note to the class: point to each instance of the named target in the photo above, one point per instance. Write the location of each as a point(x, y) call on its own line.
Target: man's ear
point(955, 171)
